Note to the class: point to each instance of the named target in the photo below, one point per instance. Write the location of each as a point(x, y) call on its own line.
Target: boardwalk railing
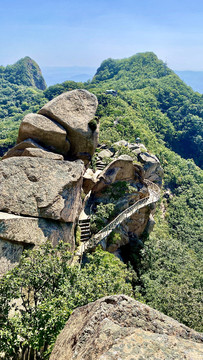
point(154, 195)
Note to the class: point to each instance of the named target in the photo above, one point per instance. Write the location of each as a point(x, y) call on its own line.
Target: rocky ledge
point(121, 328)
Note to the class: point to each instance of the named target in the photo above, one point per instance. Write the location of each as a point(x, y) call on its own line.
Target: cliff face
point(40, 192)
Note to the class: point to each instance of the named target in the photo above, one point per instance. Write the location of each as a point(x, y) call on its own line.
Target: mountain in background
point(24, 72)
point(54, 75)
point(154, 104)
point(21, 91)
point(170, 107)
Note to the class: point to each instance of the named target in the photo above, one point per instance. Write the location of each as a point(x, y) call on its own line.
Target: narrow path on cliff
point(154, 196)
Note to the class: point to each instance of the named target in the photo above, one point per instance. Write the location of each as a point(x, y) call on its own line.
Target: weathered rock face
point(74, 110)
point(41, 187)
point(10, 254)
point(121, 169)
point(152, 168)
point(40, 193)
point(41, 154)
point(118, 327)
point(89, 180)
point(34, 231)
point(18, 232)
point(47, 132)
point(18, 149)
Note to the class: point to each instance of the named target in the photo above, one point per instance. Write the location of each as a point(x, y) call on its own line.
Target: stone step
point(85, 229)
point(100, 167)
point(84, 226)
point(85, 234)
point(85, 238)
point(83, 221)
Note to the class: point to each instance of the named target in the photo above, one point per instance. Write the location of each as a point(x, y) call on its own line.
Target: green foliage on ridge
point(24, 72)
point(155, 105)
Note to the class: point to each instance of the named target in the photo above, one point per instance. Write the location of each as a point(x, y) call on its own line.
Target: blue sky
point(84, 33)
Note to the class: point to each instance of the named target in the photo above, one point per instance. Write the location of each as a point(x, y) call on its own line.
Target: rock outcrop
point(121, 183)
point(152, 167)
point(119, 327)
point(41, 187)
point(45, 131)
point(66, 125)
point(75, 111)
point(40, 192)
point(34, 152)
point(18, 149)
point(19, 232)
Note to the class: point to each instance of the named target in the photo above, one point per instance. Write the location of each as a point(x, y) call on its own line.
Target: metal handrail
point(154, 195)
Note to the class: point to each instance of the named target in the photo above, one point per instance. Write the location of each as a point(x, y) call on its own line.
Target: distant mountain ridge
point(24, 72)
point(56, 74)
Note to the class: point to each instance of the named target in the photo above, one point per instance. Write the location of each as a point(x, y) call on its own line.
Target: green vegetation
point(78, 236)
point(155, 105)
point(170, 274)
point(46, 291)
point(20, 93)
point(104, 214)
point(92, 125)
point(24, 72)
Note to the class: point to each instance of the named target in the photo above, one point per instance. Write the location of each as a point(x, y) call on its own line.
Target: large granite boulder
point(120, 169)
point(152, 167)
point(47, 132)
point(40, 187)
point(75, 111)
point(19, 232)
point(120, 328)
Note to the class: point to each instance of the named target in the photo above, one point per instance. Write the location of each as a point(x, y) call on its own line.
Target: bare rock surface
point(120, 169)
point(10, 254)
point(89, 180)
point(34, 231)
point(40, 187)
point(74, 110)
point(18, 149)
point(47, 132)
point(17, 232)
point(106, 153)
point(152, 168)
point(121, 328)
point(32, 152)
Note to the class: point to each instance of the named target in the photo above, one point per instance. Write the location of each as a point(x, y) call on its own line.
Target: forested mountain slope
point(155, 105)
point(171, 108)
point(24, 72)
point(21, 88)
